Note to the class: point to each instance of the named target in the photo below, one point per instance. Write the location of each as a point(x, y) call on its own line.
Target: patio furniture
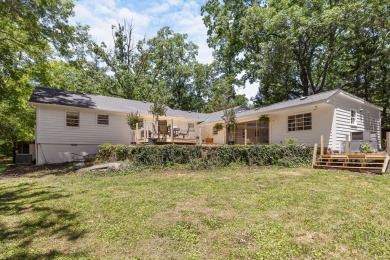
point(163, 128)
point(185, 133)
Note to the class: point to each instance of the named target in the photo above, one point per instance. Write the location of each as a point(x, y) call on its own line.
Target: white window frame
point(66, 119)
point(353, 118)
point(97, 119)
point(296, 121)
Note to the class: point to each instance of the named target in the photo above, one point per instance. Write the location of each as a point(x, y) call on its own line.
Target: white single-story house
point(70, 125)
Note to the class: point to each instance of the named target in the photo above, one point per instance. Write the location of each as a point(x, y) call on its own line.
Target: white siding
point(368, 118)
point(60, 153)
point(207, 131)
point(52, 128)
point(322, 119)
point(57, 143)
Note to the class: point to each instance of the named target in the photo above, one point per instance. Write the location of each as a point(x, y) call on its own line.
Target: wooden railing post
point(347, 144)
point(313, 162)
point(388, 143)
point(322, 145)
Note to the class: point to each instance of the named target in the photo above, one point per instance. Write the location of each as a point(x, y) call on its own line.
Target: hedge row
point(204, 156)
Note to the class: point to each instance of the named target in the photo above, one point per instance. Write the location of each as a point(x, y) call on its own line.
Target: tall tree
point(32, 33)
point(173, 61)
point(293, 48)
point(123, 63)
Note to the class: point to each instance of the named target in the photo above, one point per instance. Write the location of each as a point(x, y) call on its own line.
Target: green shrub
point(366, 148)
point(204, 157)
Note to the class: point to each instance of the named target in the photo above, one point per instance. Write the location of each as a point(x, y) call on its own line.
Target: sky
point(148, 16)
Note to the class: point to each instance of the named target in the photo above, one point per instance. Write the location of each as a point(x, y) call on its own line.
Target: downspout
point(36, 135)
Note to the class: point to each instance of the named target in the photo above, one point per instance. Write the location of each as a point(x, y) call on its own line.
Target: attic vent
point(303, 98)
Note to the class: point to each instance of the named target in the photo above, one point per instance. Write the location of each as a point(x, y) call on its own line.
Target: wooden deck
point(354, 162)
point(177, 141)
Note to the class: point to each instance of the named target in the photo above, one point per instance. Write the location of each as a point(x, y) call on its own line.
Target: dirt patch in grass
point(15, 171)
point(176, 172)
point(291, 173)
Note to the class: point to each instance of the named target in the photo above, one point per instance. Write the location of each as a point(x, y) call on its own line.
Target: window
point(73, 119)
point(102, 119)
point(299, 122)
point(353, 117)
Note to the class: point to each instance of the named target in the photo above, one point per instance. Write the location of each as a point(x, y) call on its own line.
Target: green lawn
point(236, 212)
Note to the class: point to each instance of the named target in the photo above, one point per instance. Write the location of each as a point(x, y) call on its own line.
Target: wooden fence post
point(322, 145)
point(347, 144)
point(388, 143)
point(313, 162)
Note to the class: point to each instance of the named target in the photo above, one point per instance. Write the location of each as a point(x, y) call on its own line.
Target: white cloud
point(147, 18)
point(101, 15)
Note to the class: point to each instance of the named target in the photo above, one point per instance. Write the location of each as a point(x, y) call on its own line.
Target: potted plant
point(217, 127)
point(133, 119)
point(209, 140)
point(229, 116)
point(264, 119)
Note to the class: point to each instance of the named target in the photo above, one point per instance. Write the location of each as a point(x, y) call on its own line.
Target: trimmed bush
point(206, 156)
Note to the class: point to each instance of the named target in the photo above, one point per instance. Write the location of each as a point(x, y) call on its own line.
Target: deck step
point(371, 162)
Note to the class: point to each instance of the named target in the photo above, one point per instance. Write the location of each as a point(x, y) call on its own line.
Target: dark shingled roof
point(73, 99)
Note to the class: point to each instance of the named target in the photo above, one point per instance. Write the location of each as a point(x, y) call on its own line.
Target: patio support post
point(388, 142)
point(200, 135)
point(234, 133)
point(136, 132)
point(172, 132)
point(147, 133)
point(144, 127)
point(347, 144)
point(224, 135)
point(322, 145)
point(313, 162)
point(158, 133)
point(256, 134)
point(245, 134)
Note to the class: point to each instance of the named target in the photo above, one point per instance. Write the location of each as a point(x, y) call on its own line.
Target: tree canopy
point(287, 48)
point(294, 48)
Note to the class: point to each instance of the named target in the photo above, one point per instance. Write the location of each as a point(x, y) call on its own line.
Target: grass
point(236, 212)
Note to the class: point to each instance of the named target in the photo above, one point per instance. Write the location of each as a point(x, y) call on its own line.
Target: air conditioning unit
point(23, 158)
